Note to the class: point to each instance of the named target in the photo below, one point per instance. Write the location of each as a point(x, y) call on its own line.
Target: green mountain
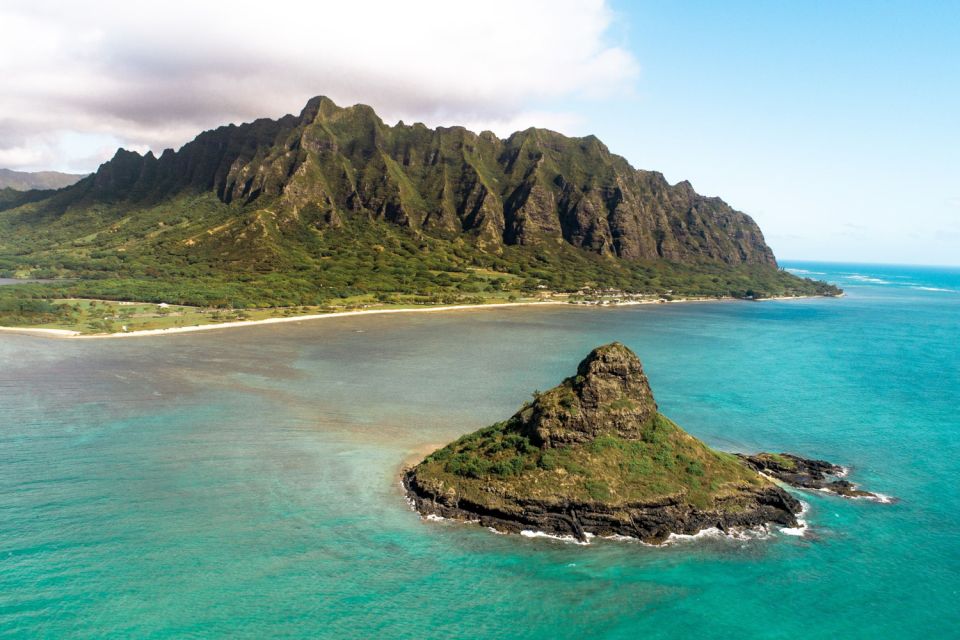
point(334, 204)
point(27, 180)
point(594, 455)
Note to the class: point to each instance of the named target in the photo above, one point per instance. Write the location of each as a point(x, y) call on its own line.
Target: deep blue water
point(243, 483)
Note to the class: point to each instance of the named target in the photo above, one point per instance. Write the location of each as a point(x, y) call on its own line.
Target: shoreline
point(69, 334)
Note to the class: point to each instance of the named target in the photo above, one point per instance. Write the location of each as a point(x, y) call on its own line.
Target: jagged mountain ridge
point(536, 186)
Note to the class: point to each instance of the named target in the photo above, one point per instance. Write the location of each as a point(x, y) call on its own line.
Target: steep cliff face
point(536, 186)
point(593, 455)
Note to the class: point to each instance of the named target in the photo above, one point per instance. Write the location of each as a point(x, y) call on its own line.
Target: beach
point(77, 335)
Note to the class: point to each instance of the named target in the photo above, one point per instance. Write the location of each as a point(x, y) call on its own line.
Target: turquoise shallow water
point(244, 483)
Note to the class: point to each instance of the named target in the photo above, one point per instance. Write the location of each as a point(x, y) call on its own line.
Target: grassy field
point(107, 316)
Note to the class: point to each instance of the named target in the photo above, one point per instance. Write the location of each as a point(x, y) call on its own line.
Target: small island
point(594, 456)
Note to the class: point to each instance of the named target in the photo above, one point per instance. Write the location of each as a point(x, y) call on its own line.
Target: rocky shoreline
point(652, 523)
point(805, 473)
point(594, 456)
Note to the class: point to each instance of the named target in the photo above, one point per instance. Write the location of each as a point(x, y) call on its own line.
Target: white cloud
point(21, 156)
point(155, 74)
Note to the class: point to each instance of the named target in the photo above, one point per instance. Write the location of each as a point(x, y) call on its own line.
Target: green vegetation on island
point(663, 461)
point(594, 455)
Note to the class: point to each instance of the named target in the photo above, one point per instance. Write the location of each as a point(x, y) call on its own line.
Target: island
point(594, 456)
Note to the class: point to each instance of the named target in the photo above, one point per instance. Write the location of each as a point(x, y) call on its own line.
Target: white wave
point(621, 538)
point(936, 289)
point(862, 278)
point(877, 497)
point(754, 533)
point(530, 533)
point(805, 271)
point(432, 517)
point(801, 529)
point(709, 532)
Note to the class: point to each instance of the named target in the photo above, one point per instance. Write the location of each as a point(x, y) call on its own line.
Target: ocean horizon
point(245, 482)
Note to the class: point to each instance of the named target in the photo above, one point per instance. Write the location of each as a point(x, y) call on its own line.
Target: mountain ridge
point(535, 185)
point(333, 204)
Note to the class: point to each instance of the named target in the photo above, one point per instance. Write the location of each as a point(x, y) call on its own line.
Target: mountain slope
point(535, 186)
point(334, 203)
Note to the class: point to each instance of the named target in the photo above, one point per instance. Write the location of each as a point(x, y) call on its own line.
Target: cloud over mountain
point(151, 75)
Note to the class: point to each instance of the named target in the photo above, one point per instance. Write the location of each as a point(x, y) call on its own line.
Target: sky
point(836, 125)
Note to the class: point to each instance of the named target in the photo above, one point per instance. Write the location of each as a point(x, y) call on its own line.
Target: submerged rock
point(594, 455)
point(805, 473)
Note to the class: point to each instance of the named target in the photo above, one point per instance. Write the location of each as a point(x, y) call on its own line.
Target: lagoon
point(244, 483)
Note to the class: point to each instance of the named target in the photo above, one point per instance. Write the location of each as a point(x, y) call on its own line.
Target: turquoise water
point(243, 483)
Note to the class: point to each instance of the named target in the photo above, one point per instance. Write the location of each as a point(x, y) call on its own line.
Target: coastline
point(69, 334)
point(76, 335)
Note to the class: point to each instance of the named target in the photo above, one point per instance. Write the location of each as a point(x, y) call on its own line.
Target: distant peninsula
point(594, 456)
point(333, 208)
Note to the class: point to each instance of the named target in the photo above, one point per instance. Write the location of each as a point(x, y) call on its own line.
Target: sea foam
point(530, 533)
point(802, 527)
point(940, 289)
point(862, 278)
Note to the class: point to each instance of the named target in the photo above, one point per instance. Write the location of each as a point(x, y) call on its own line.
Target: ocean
point(244, 483)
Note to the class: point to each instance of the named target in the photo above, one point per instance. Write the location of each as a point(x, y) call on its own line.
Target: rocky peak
point(610, 373)
point(319, 106)
point(610, 395)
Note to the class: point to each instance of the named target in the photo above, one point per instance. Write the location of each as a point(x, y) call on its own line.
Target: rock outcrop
point(594, 455)
point(805, 473)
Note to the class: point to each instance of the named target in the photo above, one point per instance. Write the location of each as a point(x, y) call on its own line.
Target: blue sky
point(834, 124)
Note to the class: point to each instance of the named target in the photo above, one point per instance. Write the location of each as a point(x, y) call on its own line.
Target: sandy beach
point(76, 335)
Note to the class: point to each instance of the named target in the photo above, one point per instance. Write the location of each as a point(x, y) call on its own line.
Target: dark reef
point(805, 473)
